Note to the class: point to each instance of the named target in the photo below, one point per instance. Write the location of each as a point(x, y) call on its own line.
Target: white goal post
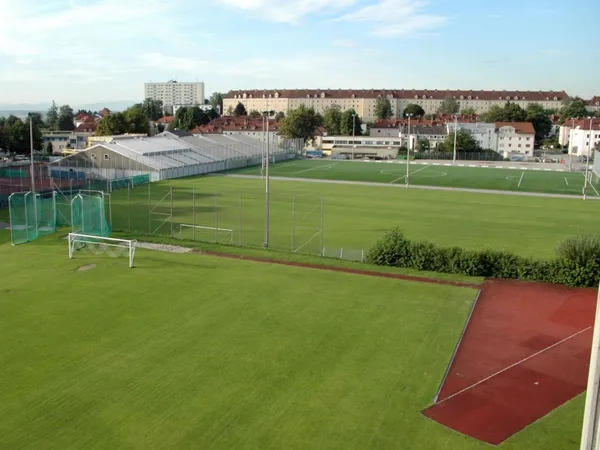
point(112, 246)
point(200, 228)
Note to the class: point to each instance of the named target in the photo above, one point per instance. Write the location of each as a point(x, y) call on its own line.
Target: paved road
point(414, 186)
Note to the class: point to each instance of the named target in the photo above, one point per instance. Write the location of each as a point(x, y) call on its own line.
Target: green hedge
point(577, 262)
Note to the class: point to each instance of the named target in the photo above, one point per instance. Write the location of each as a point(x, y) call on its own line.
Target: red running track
point(524, 353)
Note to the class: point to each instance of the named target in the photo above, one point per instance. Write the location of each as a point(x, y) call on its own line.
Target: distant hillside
point(21, 109)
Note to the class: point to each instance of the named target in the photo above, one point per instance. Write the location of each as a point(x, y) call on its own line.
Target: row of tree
point(14, 134)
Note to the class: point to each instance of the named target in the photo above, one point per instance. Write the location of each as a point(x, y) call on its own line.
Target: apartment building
point(65, 140)
point(582, 140)
point(593, 104)
point(484, 133)
point(515, 139)
point(364, 101)
point(175, 94)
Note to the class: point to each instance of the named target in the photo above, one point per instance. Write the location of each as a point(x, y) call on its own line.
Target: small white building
point(582, 141)
point(515, 139)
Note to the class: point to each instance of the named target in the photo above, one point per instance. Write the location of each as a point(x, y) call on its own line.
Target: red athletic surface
point(511, 367)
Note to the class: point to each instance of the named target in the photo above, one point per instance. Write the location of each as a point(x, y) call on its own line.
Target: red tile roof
point(86, 127)
point(417, 94)
point(166, 119)
point(520, 127)
point(594, 101)
point(104, 112)
point(230, 123)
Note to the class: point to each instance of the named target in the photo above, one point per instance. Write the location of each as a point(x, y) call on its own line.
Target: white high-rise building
point(175, 94)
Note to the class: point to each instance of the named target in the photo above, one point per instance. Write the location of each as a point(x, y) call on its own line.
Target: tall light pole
point(267, 114)
point(32, 168)
point(455, 132)
point(408, 153)
point(587, 161)
point(353, 134)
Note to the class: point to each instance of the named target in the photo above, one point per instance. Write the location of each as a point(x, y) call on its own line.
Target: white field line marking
point(566, 181)
point(520, 180)
point(515, 364)
point(411, 173)
point(328, 166)
point(283, 166)
point(592, 185)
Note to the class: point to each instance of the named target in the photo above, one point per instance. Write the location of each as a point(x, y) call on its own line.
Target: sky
point(88, 51)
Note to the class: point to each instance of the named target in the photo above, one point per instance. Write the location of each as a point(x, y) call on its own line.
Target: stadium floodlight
point(100, 244)
point(408, 153)
point(267, 114)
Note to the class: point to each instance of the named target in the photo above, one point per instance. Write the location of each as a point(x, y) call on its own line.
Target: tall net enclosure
point(88, 214)
point(31, 216)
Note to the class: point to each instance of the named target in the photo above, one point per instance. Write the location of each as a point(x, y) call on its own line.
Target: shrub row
point(577, 262)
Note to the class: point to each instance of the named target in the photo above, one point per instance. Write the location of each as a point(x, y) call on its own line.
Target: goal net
point(31, 216)
point(88, 215)
point(100, 245)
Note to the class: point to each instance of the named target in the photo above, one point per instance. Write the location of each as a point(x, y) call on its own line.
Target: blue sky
point(86, 51)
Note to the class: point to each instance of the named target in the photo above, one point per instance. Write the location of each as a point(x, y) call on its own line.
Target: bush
point(577, 262)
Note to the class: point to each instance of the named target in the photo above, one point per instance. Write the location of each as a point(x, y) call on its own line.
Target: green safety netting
point(89, 214)
point(31, 216)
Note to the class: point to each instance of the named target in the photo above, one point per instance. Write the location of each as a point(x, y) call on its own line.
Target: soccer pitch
point(190, 351)
point(354, 216)
point(442, 174)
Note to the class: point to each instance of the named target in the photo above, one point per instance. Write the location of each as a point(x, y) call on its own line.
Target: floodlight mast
point(267, 114)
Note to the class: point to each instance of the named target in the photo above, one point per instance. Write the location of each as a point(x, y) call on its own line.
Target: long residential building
point(364, 101)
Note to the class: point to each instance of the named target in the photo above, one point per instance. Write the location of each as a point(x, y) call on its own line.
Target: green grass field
point(355, 216)
point(442, 174)
point(190, 351)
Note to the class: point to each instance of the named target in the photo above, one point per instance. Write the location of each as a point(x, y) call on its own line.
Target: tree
point(112, 125)
point(423, 145)
point(212, 114)
point(449, 106)
point(136, 119)
point(240, 110)
point(14, 135)
point(540, 121)
point(216, 100)
point(301, 123)
point(573, 108)
point(153, 109)
point(254, 113)
point(465, 142)
point(332, 120)
point(65, 118)
point(468, 111)
point(49, 148)
point(280, 115)
point(350, 123)
point(188, 118)
point(413, 109)
point(383, 108)
point(52, 117)
point(510, 112)
point(230, 110)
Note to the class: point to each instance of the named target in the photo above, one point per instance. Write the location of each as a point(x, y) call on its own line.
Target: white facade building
point(582, 141)
point(483, 133)
point(174, 94)
point(515, 139)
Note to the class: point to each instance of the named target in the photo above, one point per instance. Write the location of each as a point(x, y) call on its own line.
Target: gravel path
point(414, 186)
point(164, 247)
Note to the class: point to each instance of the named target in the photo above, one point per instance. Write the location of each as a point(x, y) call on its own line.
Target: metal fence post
point(149, 210)
point(293, 221)
point(194, 214)
point(321, 233)
point(171, 209)
point(129, 208)
point(217, 217)
point(241, 220)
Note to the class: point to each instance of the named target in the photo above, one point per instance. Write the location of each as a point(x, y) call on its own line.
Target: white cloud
point(287, 11)
point(391, 18)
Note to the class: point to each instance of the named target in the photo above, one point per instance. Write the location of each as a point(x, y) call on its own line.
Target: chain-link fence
point(228, 217)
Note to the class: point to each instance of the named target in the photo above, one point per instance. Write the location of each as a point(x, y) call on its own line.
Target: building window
point(106, 157)
point(93, 155)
